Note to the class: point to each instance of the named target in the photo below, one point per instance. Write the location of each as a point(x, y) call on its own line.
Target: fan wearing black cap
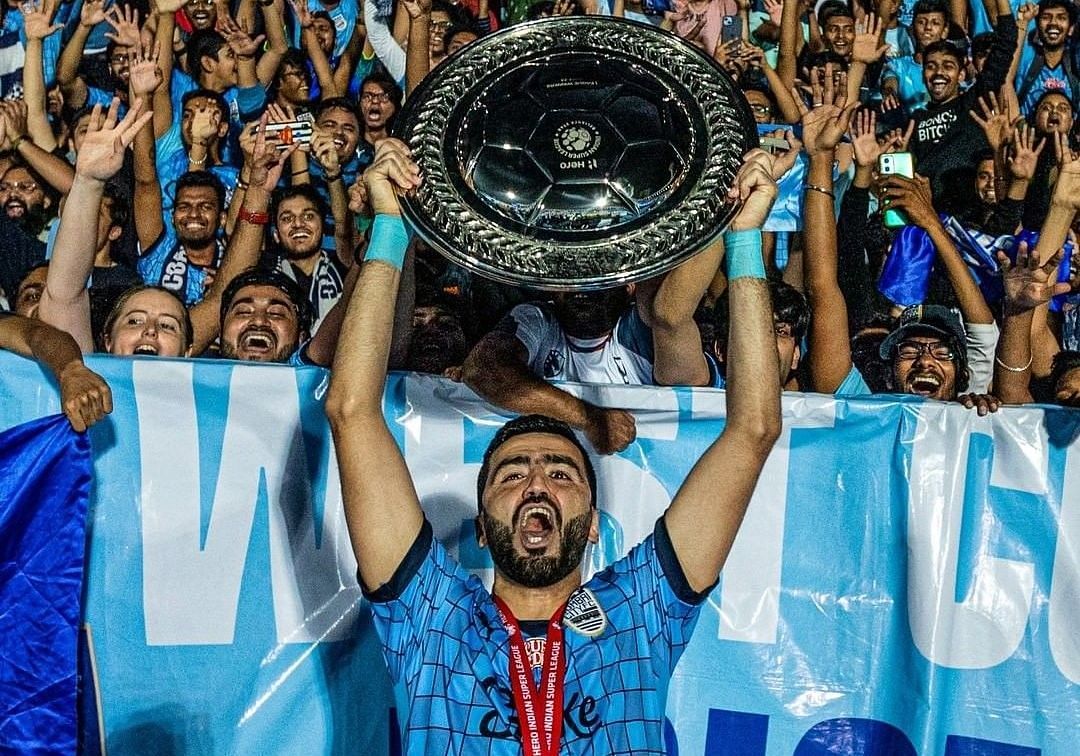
point(927, 354)
point(606, 648)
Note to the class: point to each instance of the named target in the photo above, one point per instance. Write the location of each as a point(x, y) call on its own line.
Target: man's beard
point(537, 571)
point(435, 347)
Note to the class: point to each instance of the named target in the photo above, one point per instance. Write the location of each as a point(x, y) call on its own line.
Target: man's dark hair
point(262, 276)
point(26, 273)
point(1050, 93)
point(307, 191)
point(820, 58)
point(209, 94)
point(119, 201)
point(1064, 362)
point(948, 48)
point(200, 179)
point(532, 424)
point(457, 29)
point(789, 306)
point(390, 88)
point(866, 351)
point(294, 57)
point(203, 43)
point(833, 9)
point(336, 103)
point(456, 14)
point(926, 7)
point(1066, 5)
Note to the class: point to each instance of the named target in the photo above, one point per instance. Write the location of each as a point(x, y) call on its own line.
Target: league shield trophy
point(577, 152)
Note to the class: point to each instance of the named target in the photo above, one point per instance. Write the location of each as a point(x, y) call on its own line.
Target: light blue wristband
point(742, 251)
point(389, 241)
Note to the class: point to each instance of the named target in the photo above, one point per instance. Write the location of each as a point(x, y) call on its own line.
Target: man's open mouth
point(146, 350)
point(925, 384)
point(536, 523)
point(257, 342)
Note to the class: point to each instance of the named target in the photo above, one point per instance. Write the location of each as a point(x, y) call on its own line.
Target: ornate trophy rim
point(442, 215)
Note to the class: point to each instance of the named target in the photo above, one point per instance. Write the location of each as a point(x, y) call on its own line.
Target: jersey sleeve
point(668, 606)
point(533, 328)
point(407, 608)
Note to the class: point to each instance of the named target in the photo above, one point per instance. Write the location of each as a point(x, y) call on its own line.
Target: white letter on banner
point(985, 628)
point(435, 452)
point(316, 596)
point(750, 592)
point(190, 592)
point(1065, 585)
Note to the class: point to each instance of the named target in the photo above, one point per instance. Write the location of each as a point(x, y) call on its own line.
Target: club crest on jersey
point(583, 614)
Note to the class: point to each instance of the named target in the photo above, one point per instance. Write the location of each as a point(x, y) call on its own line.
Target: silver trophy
point(575, 153)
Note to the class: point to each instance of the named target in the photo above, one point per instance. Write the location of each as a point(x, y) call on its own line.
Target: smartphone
point(731, 29)
point(290, 132)
point(896, 164)
point(774, 144)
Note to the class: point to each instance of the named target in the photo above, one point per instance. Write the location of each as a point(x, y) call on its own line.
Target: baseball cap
point(927, 319)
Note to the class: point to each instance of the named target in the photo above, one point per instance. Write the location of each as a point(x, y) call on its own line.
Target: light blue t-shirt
point(1047, 79)
point(909, 76)
point(344, 17)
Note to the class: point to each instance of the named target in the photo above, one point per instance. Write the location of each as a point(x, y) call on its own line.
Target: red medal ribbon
point(540, 731)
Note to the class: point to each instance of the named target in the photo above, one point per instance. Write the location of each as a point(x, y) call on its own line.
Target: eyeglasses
point(203, 3)
point(913, 350)
point(121, 58)
point(18, 186)
point(374, 97)
point(763, 109)
point(437, 25)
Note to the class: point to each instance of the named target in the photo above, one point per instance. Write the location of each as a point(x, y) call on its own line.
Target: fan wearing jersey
point(638, 335)
point(542, 664)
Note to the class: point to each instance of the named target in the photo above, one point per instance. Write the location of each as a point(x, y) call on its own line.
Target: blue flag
point(905, 277)
point(45, 471)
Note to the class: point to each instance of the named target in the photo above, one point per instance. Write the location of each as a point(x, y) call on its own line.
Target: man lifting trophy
point(566, 153)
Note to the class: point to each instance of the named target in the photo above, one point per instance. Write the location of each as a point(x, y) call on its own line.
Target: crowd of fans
point(153, 202)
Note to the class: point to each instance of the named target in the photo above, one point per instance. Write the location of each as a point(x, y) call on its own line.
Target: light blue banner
point(907, 579)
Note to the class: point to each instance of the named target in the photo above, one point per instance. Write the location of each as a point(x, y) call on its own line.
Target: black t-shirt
point(18, 253)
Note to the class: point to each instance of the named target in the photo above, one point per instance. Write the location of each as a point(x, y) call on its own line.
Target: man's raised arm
point(706, 513)
point(381, 506)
